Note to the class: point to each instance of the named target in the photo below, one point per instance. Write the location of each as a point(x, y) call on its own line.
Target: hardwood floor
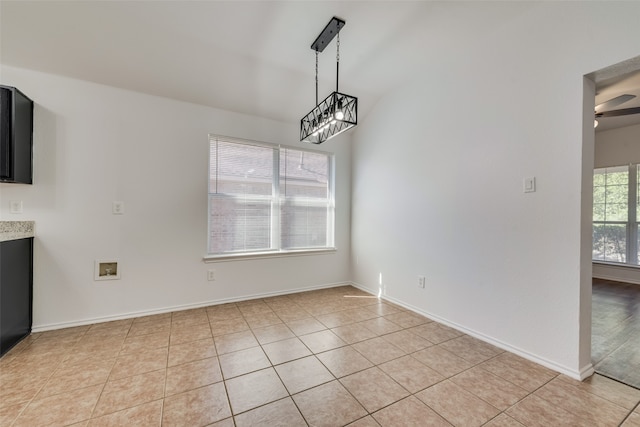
point(615, 344)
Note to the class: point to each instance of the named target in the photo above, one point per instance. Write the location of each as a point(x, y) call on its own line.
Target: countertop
point(13, 230)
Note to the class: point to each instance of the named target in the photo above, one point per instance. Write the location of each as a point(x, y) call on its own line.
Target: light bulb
point(595, 124)
point(339, 115)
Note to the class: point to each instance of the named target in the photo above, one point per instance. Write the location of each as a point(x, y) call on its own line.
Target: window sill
point(263, 255)
point(616, 264)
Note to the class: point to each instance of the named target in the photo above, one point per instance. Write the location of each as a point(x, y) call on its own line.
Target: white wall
point(438, 172)
point(616, 147)
point(96, 144)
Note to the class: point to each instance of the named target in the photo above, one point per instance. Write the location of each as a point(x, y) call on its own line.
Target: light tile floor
point(331, 357)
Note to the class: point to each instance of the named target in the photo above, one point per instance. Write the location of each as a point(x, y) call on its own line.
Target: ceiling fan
point(602, 110)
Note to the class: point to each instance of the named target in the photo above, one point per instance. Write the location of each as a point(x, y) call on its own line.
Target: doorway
point(614, 279)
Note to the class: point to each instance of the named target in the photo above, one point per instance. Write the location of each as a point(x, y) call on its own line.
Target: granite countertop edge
point(14, 230)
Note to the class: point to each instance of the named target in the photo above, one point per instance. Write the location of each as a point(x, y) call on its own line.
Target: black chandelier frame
point(336, 113)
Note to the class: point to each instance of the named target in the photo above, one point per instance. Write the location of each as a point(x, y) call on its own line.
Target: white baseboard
point(615, 278)
point(130, 315)
point(360, 286)
point(585, 372)
point(616, 273)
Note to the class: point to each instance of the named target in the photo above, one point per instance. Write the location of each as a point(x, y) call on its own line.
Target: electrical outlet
point(211, 275)
point(422, 282)
point(16, 207)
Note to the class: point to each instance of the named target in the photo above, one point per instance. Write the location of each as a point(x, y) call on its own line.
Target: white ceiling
point(253, 57)
point(249, 57)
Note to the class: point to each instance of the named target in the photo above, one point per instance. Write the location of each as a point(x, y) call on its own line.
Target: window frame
point(631, 224)
point(278, 200)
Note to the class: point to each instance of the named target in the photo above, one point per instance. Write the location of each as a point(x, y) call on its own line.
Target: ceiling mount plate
point(330, 31)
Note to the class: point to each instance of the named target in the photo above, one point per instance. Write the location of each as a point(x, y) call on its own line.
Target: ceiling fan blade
point(614, 102)
point(616, 113)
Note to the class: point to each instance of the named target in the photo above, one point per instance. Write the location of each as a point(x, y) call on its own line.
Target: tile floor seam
point(262, 405)
point(496, 416)
point(371, 414)
point(226, 391)
point(362, 404)
point(95, 405)
point(479, 365)
point(351, 394)
point(490, 373)
point(393, 379)
point(299, 410)
point(628, 416)
point(529, 394)
point(617, 380)
point(602, 359)
point(533, 394)
point(20, 414)
point(609, 400)
point(35, 394)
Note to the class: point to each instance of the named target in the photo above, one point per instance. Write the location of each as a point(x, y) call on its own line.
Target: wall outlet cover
point(16, 207)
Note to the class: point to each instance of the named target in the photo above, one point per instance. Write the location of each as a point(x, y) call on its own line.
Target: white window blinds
point(268, 198)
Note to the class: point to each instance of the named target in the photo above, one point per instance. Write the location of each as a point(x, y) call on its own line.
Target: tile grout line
point(637, 406)
point(30, 401)
point(224, 382)
point(104, 385)
point(311, 355)
point(290, 396)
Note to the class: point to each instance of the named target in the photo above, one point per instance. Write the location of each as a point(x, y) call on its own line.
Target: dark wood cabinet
point(16, 291)
point(16, 136)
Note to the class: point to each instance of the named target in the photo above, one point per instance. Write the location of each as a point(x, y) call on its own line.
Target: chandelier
point(338, 112)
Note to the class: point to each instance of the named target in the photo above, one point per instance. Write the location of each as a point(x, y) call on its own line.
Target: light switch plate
point(117, 208)
point(529, 184)
point(16, 207)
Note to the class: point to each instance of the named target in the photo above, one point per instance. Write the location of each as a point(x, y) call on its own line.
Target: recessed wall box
point(106, 270)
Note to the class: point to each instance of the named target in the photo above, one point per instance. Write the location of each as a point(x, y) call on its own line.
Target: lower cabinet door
point(16, 291)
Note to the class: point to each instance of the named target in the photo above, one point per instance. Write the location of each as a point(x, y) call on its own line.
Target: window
point(266, 198)
point(615, 206)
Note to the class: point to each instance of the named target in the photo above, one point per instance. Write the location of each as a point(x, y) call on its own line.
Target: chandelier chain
point(316, 77)
point(337, 61)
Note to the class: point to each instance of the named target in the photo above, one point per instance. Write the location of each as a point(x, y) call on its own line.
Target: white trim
point(586, 372)
point(268, 144)
point(616, 264)
point(61, 325)
point(364, 288)
point(276, 199)
point(97, 276)
point(261, 255)
point(616, 272)
point(578, 375)
point(616, 278)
